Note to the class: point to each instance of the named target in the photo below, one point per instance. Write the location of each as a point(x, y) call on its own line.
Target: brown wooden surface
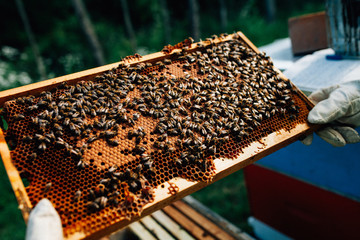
point(192, 210)
point(175, 229)
point(308, 33)
point(224, 167)
point(218, 220)
point(188, 224)
point(201, 220)
point(155, 228)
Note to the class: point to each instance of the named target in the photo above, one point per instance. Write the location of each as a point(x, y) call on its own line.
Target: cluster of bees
point(198, 99)
point(184, 44)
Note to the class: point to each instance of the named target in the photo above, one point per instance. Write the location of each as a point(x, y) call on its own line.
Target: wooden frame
point(224, 167)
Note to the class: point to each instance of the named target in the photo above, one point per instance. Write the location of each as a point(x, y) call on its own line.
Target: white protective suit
point(44, 223)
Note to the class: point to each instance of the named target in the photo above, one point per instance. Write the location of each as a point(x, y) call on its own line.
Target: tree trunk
point(35, 49)
point(128, 25)
point(223, 15)
point(195, 19)
point(88, 29)
point(270, 6)
point(166, 21)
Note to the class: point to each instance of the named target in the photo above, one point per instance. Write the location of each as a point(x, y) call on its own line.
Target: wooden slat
point(202, 221)
point(171, 226)
point(141, 231)
point(219, 221)
point(187, 224)
point(155, 228)
point(248, 42)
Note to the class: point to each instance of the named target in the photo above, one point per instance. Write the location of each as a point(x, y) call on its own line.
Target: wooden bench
point(185, 219)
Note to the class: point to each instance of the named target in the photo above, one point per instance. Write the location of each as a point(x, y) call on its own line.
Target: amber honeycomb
point(98, 148)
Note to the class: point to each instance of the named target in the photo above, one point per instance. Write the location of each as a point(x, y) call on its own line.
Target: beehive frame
point(163, 193)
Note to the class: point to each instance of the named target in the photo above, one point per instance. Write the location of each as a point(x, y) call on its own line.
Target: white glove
point(338, 105)
point(44, 223)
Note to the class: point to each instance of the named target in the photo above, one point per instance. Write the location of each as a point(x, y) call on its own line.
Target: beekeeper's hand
point(44, 223)
point(339, 106)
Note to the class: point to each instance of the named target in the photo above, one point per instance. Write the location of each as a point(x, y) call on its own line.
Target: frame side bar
point(15, 179)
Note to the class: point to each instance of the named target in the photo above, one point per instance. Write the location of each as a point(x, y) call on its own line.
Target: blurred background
point(44, 39)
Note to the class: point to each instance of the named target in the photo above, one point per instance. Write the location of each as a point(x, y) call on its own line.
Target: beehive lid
point(120, 141)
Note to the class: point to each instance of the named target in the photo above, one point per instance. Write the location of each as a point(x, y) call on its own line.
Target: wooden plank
point(187, 224)
point(141, 231)
point(227, 226)
point(201, 220)
point(248, 42)
point(308, 33)
point(171, 226)
point(155, 228)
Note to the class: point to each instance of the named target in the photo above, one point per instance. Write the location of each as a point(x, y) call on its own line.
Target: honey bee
point(81, 164)
point(76, 153)
point(105, 181)
point(173, 132)
point(136, 116)
point(139, 149)
point(77, 195)
point(47, 187)
point(33, 156)
point(167, 61)
point(19, 117)
point(42, 146)
point(66, 122)
point(91, 194)
point(101, 201)
point(109, 134)
point(112, 169)
point(145, 157)
point(100, 189)
point(162, 137)
point(92, 139)
point(27, 138)
point(92, 206)
point(179, 162)
point(49, 137)
point(112, 142)
point(148, 164)
point(42, 103)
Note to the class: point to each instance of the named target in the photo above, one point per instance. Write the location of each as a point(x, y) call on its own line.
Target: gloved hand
point(338, 106)
point(44, 223)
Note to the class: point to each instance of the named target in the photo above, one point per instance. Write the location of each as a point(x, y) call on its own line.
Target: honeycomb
point(97, 149)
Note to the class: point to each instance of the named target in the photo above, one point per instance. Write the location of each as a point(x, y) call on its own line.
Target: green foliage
point(12, 225)
point(228, 198)
point(65, 48)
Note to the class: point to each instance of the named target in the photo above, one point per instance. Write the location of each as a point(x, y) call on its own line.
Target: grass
point(12, 225)
point(228, 198)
